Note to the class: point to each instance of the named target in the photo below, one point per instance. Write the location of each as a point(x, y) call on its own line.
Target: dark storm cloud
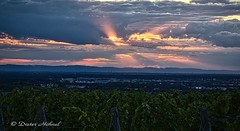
point(219, 33)
point(74, 31)
point(21, 1)
point(77, 22)
point(140, 17)
point(226, 34)
point(40, 0)
point(61, 21)
point(227, 39)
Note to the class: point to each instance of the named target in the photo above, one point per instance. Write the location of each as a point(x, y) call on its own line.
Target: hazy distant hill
point(92, 69)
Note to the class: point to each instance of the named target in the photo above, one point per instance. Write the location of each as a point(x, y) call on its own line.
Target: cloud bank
point(198, 34)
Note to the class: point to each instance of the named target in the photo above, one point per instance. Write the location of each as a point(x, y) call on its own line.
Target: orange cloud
point(31, 42)
point(177, 48)
point(33, 62)
point(206, 48)
point(144, 37)
point(15, 61)
point(155, 38)
point(154, 35)
point(15, 42)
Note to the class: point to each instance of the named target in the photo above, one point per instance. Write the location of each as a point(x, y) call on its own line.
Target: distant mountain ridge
point(93, 69)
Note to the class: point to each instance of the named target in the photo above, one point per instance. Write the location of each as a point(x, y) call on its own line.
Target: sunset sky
point(201, 34)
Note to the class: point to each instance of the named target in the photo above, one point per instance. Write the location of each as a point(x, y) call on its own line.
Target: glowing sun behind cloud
point(109, 30)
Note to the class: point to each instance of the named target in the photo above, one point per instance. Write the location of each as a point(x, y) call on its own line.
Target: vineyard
point(138, 111)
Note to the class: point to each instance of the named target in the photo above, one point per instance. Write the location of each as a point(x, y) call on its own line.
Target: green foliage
point(137, 110)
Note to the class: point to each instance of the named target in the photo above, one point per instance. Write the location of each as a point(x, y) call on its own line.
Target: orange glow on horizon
point(14, 61)
point(126, 60)
point(168, 57)
point(33, 62)
point(175, 58)
point(92, 62)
